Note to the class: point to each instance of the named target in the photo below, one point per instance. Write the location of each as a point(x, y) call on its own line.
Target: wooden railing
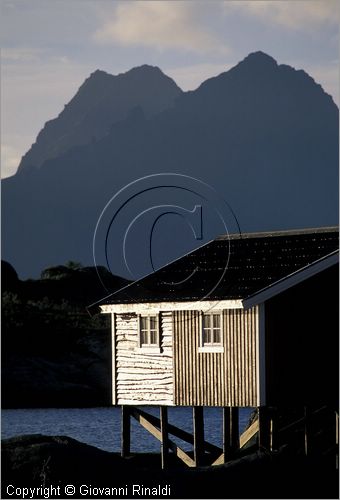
point(308, 433)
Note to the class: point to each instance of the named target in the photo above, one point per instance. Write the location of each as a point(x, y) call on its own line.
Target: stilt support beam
point(146, 421)
point(235, 429)
point(337, 440)
point(273, 437)
point(264, 428)
point(125, 431)
point(160, 429)
point(231, 438)
point(163, 413)
point(249, 433)
point(306, 430)
point(198, 426)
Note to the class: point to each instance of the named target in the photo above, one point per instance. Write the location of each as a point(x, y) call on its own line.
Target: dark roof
point(231, 267)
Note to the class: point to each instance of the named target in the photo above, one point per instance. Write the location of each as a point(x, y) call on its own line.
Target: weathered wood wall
point(182, 375)
point(228, 378)
point(142, 377)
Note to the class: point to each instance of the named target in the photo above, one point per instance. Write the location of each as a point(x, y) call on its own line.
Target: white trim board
point(113, 359)
point(154, 307)
point(261, 356)
point(293, 279)
point(136, 402)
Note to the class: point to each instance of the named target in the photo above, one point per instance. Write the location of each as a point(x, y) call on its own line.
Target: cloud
point(293, 14)
point(47, 23)
point(161, 25)
point(21, 54)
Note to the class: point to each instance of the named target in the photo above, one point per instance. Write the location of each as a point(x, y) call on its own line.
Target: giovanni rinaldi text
point(85, 490)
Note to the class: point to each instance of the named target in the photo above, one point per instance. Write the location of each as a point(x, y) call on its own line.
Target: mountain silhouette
point(102, 100)
point(263, 135)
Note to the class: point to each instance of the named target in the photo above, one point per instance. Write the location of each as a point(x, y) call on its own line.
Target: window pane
point(153, 337)
point(143, 337)
point(143, 323)
point(216, 320)
point(217, 336)
point(206, 321)
point(206, 336)
point(148, 330)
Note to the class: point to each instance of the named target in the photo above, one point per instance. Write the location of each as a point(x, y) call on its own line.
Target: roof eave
point(293, 279)
point(153, 307)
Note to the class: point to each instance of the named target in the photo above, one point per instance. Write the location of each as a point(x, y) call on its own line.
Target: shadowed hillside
point(101, 101)
point(53, 353)
point(264, 135)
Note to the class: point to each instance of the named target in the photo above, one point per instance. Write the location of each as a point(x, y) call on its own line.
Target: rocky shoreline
point(37, 466)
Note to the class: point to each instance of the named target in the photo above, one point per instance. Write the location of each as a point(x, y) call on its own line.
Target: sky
point(49, 47)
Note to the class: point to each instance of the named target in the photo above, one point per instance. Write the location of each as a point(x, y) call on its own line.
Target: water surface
point(100, 427)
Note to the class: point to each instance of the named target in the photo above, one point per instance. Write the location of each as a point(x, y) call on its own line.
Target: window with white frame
point(211, 331)
point(149, 331)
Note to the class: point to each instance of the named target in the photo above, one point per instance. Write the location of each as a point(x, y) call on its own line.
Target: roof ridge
point(282, 232)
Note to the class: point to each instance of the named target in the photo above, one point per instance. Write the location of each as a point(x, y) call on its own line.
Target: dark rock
point(54, 354)
point(36, 459)
point(33, 461)
point(9, 277)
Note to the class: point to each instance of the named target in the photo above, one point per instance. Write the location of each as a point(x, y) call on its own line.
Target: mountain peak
point(263, 134)
point(148, 74)
point(259, 54)
point(146, 68)
point(99, 73)
point(102, 100)
point(259, 58)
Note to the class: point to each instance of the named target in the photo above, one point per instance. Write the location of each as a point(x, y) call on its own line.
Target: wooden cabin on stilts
point(246, 320)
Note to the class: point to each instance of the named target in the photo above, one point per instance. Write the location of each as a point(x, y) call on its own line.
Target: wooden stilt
point(146, 421)
point(125, 431)
point(264, 428)
point(163, 413)
point(272, 430)
point(226, 424)
point(235, 429)
point(337, 440)
point(198, 425)
point(231, 439)
point(306, 430)
point(175, 431)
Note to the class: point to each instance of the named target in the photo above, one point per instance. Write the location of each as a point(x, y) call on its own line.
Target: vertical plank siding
point(214, 378)
point(142, 377)
point(113, 367)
